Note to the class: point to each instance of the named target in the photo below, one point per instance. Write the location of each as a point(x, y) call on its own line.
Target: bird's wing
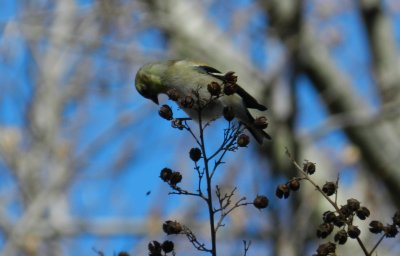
point(211, 71)
point(249, 101)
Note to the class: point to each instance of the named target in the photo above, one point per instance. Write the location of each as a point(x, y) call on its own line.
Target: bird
point(185, 78)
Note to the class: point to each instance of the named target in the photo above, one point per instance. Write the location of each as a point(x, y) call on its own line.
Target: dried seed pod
point(166, 174)
point(167, 246)
point(339, 221)
point(165, 112)
point(324, 230)
point(353, 231)
point(390, 230)
point(177, 123)
point(230, 77)
point(309, 167)
point(329, 217)
point(329, 188)
point(353, 204)
point(261, 202)
point(154, 248)
point(230, 89)
point(282, 191)
point(376, 227)
point(195, 154)
point(243, 140)
point(186, 102)
point(261, 122)
point(294, 184)
point(326, 249)
point(345, 211)
point(341, 236)
point(172, 227)
point(363, 213)
point(173, 94)
point(176, 177)
point(214, 88)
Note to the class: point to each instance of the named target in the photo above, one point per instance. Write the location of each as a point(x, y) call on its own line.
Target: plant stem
point(209, 188)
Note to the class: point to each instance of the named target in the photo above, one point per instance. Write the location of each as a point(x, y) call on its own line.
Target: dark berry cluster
point(171, 177)
point(160, 249)
point(389, 230)
point(343, 219)
point(283, 190)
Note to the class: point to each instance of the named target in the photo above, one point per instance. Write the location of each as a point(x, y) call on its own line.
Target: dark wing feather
point(210, 70)
point(248, 100)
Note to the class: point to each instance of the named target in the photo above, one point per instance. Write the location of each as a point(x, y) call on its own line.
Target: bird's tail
point(257, 133)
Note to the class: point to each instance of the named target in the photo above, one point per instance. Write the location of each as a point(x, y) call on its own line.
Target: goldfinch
point(187, 78)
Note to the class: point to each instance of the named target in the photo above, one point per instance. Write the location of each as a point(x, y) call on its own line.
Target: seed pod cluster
point(170, 177)
point(158, 249)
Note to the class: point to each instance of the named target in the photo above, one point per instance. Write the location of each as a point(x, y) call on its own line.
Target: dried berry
point(376, 227)
point(167, 246)
point(345, 211)
point(341, 236)
point(294, 184)
point(186, 102)
point(282, 191)
point(177, 123)
point(165, 174)
point(230, 77)
point(329, 188)
point(353, 204)
point(329, 217)
point(309, 167)
point(173, 94)
point(353, 231)
point(339, 221)
point(324, 230)
point(214, 88)
point(363, 213)
point(165, 112)
point(230, 89)
point(228, 113)
point(243, 140)
point(195, 154)
point(154, 248)
point(261, 122)
point(261, 202)
point(172, 227)
point(390, 230)
point(175, 178)
point(326, 249)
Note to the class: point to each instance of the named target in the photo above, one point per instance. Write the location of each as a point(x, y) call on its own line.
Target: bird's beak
point(155, 99)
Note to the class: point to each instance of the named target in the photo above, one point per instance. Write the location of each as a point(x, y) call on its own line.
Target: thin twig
point(246, 247)
point(377, 244)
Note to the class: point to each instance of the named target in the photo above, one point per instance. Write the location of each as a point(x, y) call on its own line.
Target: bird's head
point(148, 81)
